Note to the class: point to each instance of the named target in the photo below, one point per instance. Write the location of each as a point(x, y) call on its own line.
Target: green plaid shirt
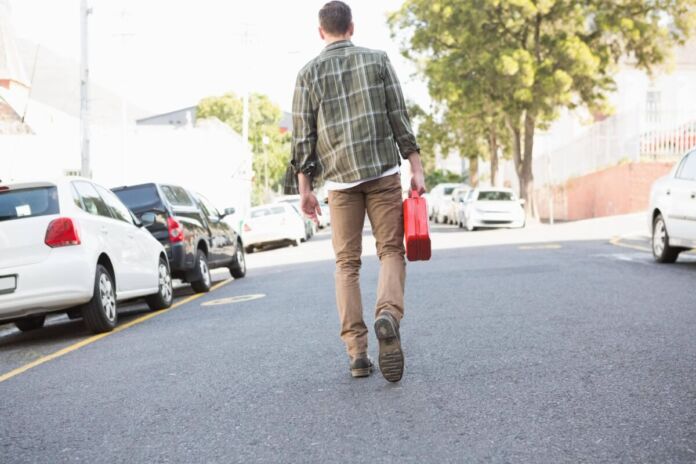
point(349, 117)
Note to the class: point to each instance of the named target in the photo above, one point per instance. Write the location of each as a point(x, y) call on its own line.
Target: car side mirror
point(227, 212)
point(148, 219)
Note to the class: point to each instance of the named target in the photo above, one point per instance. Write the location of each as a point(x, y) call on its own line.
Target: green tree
point(270, 147)
point(521, 61)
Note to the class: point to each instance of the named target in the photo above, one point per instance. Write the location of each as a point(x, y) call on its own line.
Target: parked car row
point(74, 246)
point(280, 223)
point(475, 208)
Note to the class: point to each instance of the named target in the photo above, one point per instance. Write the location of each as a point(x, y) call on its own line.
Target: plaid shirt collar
point(336, 45)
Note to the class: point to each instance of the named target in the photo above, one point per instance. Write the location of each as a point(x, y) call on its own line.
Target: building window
point(653, 104)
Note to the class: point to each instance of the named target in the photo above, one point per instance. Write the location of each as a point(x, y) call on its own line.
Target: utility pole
point(85, 167)
point(249, 159)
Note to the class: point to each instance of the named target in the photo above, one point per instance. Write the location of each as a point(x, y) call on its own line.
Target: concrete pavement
point(536, 350)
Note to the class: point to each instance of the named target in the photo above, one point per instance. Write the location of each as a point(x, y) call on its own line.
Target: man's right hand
point(310, 206)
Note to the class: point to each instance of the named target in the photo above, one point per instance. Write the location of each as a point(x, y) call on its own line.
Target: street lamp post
point(85, 166)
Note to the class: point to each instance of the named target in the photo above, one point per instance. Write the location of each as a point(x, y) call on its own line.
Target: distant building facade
point(185, 117)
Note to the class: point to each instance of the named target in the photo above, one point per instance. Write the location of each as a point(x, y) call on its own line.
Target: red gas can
point(416, 228)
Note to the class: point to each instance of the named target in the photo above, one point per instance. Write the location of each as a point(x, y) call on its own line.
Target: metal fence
point(627, 137)
point(671, 142)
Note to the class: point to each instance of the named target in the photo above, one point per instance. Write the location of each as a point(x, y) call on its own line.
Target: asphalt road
point(579, 351)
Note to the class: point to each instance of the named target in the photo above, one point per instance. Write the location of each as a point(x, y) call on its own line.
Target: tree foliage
point(270, 147)
point(518, 62)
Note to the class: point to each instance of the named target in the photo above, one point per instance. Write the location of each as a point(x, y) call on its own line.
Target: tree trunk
point(526, 176)
point(493, 148)
point(473, 171)
point(515, 133)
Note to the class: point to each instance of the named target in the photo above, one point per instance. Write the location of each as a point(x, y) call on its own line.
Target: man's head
point(335, 22)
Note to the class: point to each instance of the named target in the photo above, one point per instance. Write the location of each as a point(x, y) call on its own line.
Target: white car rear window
point(31, 202)
point(257, 213)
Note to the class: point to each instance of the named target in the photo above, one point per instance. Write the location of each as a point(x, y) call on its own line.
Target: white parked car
point(672, 213)
point(458, 196)
point(71, 245)
point(440, 198)
point(492, 207)
point(310, 226)
point(274, 223)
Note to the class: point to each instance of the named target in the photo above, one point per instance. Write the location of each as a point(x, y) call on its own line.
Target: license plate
point(8, 284)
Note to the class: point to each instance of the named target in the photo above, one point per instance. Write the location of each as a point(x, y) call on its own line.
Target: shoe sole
point(364, 372)
point(391, 357)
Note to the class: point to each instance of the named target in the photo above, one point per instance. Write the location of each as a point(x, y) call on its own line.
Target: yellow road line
point(549, 246)
point(617, 241)
point(94, 338)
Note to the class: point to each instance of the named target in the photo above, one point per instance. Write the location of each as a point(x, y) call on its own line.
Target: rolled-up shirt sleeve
point(304, 129)
point(397, 113)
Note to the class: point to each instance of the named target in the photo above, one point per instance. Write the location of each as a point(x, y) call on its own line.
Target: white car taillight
point(62, 232)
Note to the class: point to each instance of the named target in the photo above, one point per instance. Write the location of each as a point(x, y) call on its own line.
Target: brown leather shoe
point(391, 357)
point(361, 366)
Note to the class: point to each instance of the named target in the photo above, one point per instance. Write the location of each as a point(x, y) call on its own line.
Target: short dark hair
point(335, 17)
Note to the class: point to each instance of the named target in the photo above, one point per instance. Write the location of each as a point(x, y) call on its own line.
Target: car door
point(140, 255)
point(224, 239)
point(103, 227)
point(682, 190)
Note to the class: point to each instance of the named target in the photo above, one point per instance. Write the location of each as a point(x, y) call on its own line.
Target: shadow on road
point(59, 328)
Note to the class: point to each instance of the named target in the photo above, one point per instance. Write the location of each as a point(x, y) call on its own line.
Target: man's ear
point(321, 34)
point(351, 29)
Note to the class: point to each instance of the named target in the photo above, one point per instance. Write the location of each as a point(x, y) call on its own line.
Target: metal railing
point(623, 138)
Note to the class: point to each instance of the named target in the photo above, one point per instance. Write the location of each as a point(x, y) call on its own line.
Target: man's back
point(348, 106)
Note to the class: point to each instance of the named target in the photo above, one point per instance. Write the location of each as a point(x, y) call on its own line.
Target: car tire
point(203, 284)
point(165, 290)
point(295, 242)
point(100, 314)
point(461, 225)
point(662, 252)
point(31, 323)
point(248, 250)
point(238, 267)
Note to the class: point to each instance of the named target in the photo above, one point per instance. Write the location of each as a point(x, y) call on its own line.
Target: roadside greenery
point(499, 70)
point(270, 147)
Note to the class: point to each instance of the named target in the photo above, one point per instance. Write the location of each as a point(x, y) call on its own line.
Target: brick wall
point(620, 189)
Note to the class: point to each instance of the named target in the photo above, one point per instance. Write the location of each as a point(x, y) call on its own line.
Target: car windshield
point(139, 198)
point(25, 203)
point(449, 190)
point(495, 196)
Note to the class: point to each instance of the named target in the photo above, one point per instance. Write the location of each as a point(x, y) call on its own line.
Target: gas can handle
point(415, 194)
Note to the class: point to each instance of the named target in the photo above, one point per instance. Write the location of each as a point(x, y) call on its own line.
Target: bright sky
point(167, 54)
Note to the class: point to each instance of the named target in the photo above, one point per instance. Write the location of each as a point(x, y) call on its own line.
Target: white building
point(207, 156)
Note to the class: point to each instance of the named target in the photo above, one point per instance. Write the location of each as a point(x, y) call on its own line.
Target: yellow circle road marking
point(234, 299)
point(94, 338)
point(549, 246)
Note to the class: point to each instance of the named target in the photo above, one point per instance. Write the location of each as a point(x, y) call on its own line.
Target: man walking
point(350, 127)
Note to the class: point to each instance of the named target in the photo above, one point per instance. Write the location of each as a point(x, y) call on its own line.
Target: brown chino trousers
point(381, 199)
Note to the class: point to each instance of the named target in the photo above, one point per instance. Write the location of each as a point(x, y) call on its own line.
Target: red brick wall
point(620, 189)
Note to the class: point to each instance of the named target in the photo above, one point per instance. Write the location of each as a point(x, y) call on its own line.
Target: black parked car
point(191, 230)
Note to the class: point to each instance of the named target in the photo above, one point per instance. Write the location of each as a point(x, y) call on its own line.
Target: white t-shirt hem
point(330, 185)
